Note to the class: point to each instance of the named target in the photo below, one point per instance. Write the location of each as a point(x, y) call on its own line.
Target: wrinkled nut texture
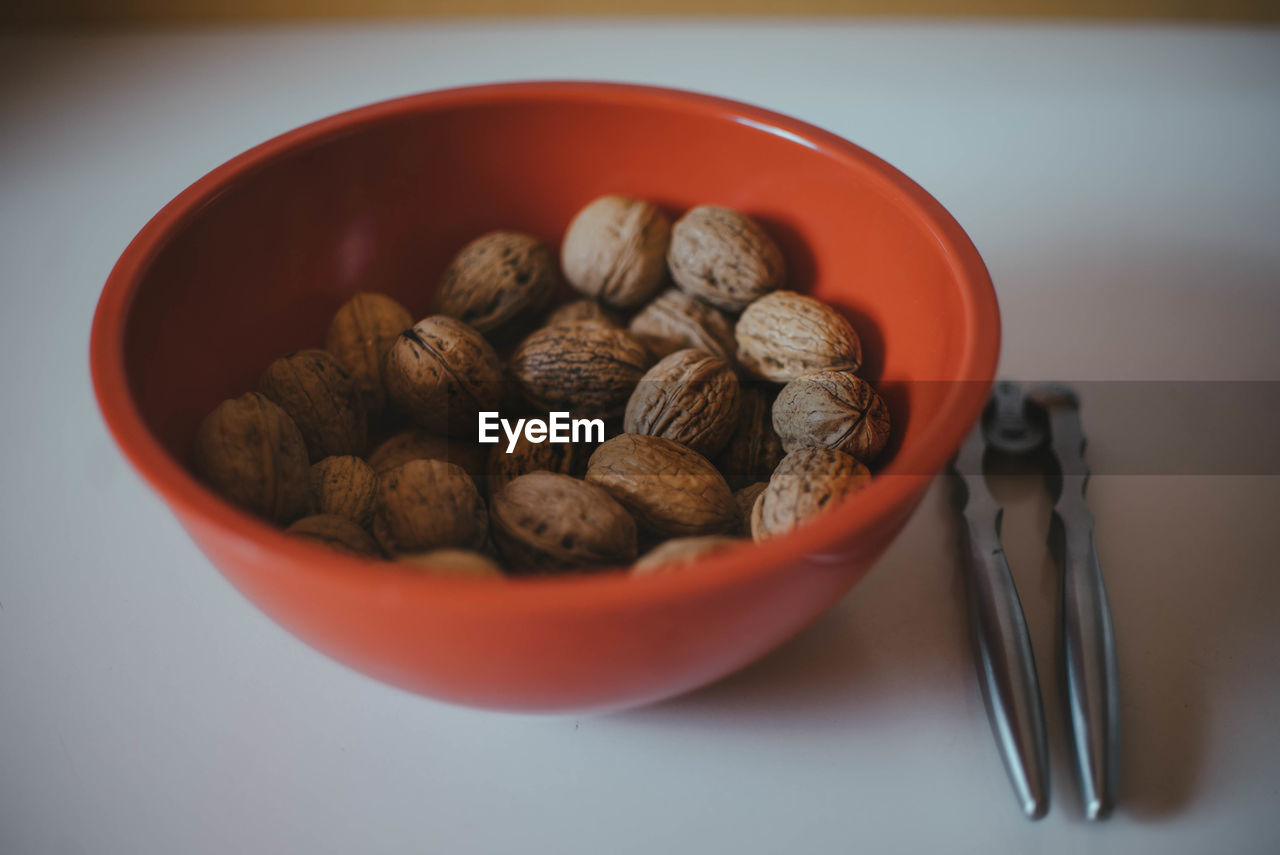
point(453, 562)
point(321, 398)
point(545, 521)
point(526, 457)
point(496, 278)
point(336, 532)
point(585, 368)
point(690, 397)
point(806, 482)
point(582, 310)
point(417, 444)
point(724, 258)
point(440, 373)
point(833, 409)
point(680, 552)
point(251, 453)
point(784, 335)
point(359, 335)
point(673, 320)
point(746, 500)
point(671, 490)
point(615, 251)
point(754, 448)
point(429, 504)
point(344, 486)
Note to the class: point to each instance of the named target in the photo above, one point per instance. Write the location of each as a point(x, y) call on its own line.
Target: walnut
point(582, 310)
point(784, 335)
point(495, 279)
point(321, 398)
point(674, 320)
point(671, 490)
point(429, 504)
point(251, 453)
point(547, 521)
point(833, 409)
point(615, 251)
point(690, 397)
point(417, 444)
point(336, 532)
point(585, 368)
point(680, 552)
point(345, 487)
point(754, 449)
point(359, 335)
point(453, 562)
point(724, 258)
point(746, 500)
point(528, 457)
point(806, 482)
point(441, 372)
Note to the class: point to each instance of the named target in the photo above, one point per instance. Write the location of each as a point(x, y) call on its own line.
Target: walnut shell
point(690, 397)
point(806, 482)
point(673, 320)
point(680, 552)
point(754, 448)
point(833, 409)
point(526, 457)
point(746, 500)
point(417, 444)
point(251, 453)
point(547, 521)
point(784, 335)
point(582, 310)
point(723, 257)
point(671, 490)
point(359, 335)
point(429, 504)
point(321, 398)
point(336, 532)
point(585, 368)
point(441, 373)
point(344, 486)
point(615, 251)
point(497, 278)
point(453, 562)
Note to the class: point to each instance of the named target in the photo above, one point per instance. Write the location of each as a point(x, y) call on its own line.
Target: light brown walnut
point(690, 397)
point(807, 482)
point(463, 563)
point(545, 522)
point(723, 257)
point(441, 373)
point(585, 368)
point(615, 251)
point(336, 532)
point(680, 552)
point(321, 398)
point(673, 320)
point(497, 278)
point(344, 486)
point(833, 409)
point(784, 335)
point(429, 504)
point(582, 310)
point(359, 335)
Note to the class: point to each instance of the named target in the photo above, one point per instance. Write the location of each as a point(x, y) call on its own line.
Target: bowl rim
point(890, 491)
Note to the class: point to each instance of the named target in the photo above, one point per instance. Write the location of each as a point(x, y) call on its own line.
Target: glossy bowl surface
point(251, 261)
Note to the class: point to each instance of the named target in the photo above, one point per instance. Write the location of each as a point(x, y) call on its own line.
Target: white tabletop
point(1122, 183)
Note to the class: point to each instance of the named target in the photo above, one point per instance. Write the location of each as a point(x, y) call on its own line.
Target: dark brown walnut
point(526, 457)
point(321, 398)
point(545, 521)
point(807, 482)
point(344, 486)
point(615, 251)
point(336, 532)
point(440, 372)
point(463, 563)
point(671, 490)
point(834, 409)
point(417, 444)
point(673, 320)
point(690, 397)
point(359, 335)
point(585, 368)
point(582, 310)
point(754, 447)
point(251, 453)
point(723, 257)
point(746, 500)
point(784, 335)
point(680, 552)
point(495, 279)
point(429, 504)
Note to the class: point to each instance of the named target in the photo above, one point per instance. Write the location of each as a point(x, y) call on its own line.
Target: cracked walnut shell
point(615, 251)
point(547, 521)
point(784, 335)
point(723, 257)
point(806, 482)
point(690, 397)
point(833, 409)
point(495, 279)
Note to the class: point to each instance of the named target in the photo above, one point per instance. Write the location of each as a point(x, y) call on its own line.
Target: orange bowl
point(251, 261)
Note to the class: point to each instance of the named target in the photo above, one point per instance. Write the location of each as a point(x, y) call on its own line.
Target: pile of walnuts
point(732, 408)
